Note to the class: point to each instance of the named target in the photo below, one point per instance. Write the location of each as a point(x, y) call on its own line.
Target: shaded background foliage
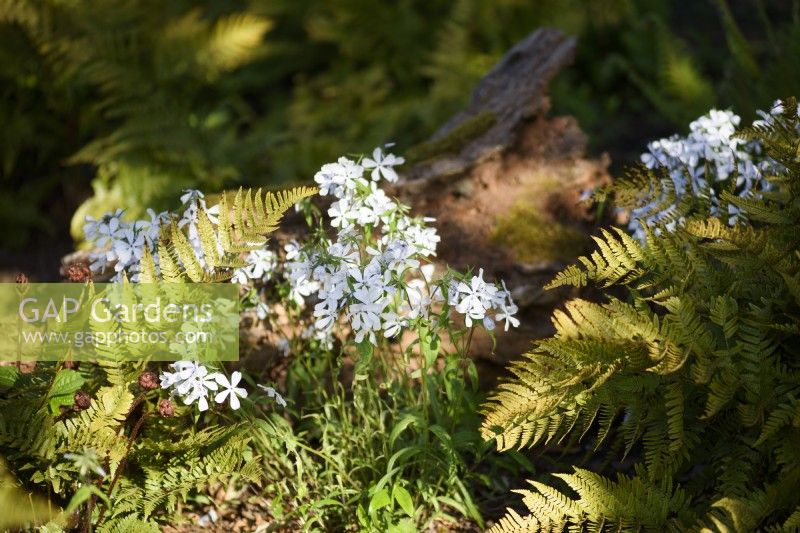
point(128, 102)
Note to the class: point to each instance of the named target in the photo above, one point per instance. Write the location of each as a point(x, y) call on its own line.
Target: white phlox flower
point(382, 165)
point(292, 249)
point(393, 324)
point(475, 298)
point(272, 393)
point(339, 179)
point(419, 302)
point(709, 154)
point(326, 313)
point(193, 382)
point(262, 310)
point(365, 314)
point(261, 265)
point(376, 207)
point(109, 228)
point(229, 390)
point(506, 308)
point(342, 213)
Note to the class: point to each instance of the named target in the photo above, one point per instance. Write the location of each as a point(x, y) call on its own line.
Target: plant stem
point(87, 524)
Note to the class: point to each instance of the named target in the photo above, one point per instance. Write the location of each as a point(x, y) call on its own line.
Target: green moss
point(533, 238)
point(470, 129)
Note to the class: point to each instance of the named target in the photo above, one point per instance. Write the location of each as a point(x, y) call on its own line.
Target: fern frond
point(98, 427)
point(147, 269)
point(700, 358)
point(234, 40)
point(627, 504)
point(253, 220)
point(185, 254)
point(240, 229)
point(170, 271)
point(128, 524)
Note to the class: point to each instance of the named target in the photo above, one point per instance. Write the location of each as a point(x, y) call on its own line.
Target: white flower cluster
point(371, 274)
point(193, 382)
point(260, 266)
point(122, 243)
point(476, 299)
point(697, 163)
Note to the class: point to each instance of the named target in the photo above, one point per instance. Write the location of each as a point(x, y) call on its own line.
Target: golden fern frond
point(602, 505)
point(572, 275)
point(699, 358)
point(234, 41)
point(186, 254)
point(253, 219)
point(513, 522)
point(240, 229)
point(170, 271)
point(616, 260)
point(147, 267)
point(208, 240)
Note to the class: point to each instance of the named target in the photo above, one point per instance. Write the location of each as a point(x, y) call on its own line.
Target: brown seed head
point(79, 273)
point(148, 380)
point(21, 278)
point(82, 401)
point(165, 408)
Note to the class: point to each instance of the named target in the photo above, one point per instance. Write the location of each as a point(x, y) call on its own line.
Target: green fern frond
point(128, 524)
point(98, 427)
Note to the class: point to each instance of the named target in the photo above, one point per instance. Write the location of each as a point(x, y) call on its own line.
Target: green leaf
point(83, 495)
point(403, 499)
point(362, 516)
point(8, 376)
point(66, 384)
point(378, 501)
point(365, 353)
point(430, 345)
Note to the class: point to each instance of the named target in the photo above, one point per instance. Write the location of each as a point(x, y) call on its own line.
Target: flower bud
point(82, 401)
point(148, 380)
point(165, 408)
point(79, 273)
point(21, 278)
